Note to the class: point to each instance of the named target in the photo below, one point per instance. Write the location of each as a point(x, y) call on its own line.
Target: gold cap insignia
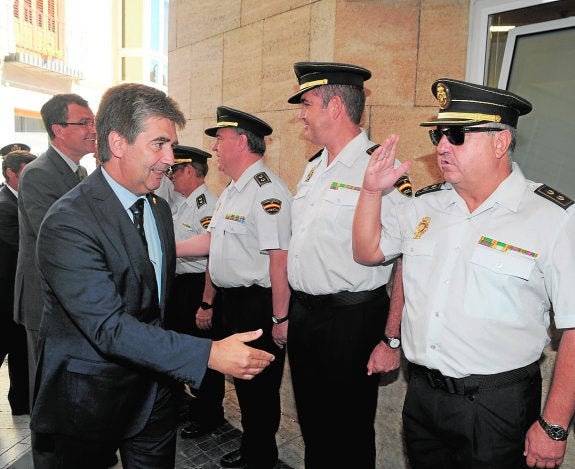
point(443, 95)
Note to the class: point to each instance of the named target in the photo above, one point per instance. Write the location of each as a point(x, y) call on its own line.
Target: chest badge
point(422, 227)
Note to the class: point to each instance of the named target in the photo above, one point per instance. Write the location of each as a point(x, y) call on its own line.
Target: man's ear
point(117, 143)
point(502, 143)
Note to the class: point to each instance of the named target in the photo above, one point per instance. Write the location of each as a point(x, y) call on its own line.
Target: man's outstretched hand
point(233, 357)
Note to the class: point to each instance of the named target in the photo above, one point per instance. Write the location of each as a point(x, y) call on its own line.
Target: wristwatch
point(277, 320)
point(555, 432)
point(393, 342)
point(205, 305)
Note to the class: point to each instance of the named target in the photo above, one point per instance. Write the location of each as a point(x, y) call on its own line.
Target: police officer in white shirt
point(339, 308)
point(247, 240)
point(486, 255)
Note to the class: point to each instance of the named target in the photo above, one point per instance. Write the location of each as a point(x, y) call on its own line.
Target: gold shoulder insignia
point(554, 196)
point(262, 178)
point(205, 222)
point(271, 206)
point(403, 185)
point(317, 155)
point(201, 200)
point(370, 150)
point(428, 189)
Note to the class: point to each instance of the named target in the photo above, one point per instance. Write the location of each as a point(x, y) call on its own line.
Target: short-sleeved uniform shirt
point(192, 216)
point(320, 258)
point(479, 286)
point(252, 217)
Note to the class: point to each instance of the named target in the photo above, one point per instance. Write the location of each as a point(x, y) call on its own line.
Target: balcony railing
point(41, 40)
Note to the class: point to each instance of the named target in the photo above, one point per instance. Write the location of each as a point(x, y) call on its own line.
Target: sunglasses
point(456, 135)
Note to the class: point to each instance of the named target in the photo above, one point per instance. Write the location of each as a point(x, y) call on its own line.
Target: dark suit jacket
point(43, 181)
point(103, 348)
point(8, 251)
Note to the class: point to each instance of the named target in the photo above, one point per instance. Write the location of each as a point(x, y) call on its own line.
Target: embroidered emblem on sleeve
point(201, 200)
point(403, 185)
point(262, 178)
point(554, 196)
point(271, 206)
point(205, 222)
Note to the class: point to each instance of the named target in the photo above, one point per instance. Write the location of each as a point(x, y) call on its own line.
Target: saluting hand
point(380, 174)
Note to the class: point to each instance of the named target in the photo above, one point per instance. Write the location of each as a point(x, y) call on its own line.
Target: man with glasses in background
point(69, 122)
point(486, 255)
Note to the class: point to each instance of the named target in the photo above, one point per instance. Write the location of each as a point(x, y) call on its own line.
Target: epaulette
point(428, 189)
point(370, 150)
point(554, 196)
point(201, 200)
point(262, 178)
point(403, 184)
point(317, 155)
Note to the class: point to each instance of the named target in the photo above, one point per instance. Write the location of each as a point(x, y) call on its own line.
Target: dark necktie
point(138, 211)
point(81, 172)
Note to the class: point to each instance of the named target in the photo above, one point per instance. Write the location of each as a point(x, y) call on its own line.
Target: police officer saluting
point(486, 255)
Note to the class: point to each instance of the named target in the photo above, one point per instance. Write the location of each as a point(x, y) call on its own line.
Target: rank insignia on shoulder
point(205, 221)
point(370, 150)
point(317, 155)
point(201, 200)
point(403, 185)
point(428, 189)
point(271, 206)
point(554, 196)
point(262, 178)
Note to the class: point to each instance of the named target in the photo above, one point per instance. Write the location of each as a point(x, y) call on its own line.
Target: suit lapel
point(121, 231)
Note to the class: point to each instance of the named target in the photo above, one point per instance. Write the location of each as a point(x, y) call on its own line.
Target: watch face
point(556, 432)
point(394, 342)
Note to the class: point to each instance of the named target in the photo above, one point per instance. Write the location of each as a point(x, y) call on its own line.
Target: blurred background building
point(74, 46)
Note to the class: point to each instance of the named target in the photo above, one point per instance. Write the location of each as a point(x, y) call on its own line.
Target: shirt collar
point(73, 165)
point(126, 197)
point(248, 174)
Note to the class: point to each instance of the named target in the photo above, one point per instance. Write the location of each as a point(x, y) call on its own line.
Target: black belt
point(344, 298)
point(241, 292)
point(474, 383)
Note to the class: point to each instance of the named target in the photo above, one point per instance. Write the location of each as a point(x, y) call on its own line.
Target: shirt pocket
point(419, 263)
point(494, 284)
point(341, 205)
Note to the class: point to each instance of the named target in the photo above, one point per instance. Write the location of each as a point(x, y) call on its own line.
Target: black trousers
point(482, 430)
point(329, 347)
point(154, 447)
point(14, 345)
point(181, 311)
point(247, 309)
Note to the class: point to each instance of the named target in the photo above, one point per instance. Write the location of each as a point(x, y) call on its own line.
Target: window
point(539, 63)
point(526, 52)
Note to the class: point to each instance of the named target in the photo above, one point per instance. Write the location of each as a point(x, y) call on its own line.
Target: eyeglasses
point(86, 123)
point(456, 135)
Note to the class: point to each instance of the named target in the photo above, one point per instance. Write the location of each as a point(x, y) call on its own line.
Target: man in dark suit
point(12, 335)
point(107, 365)
point(70, 126)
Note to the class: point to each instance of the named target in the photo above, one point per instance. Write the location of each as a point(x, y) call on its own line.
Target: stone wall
point(240, 53)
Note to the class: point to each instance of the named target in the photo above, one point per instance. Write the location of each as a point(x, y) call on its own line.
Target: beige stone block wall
point(240, 53)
